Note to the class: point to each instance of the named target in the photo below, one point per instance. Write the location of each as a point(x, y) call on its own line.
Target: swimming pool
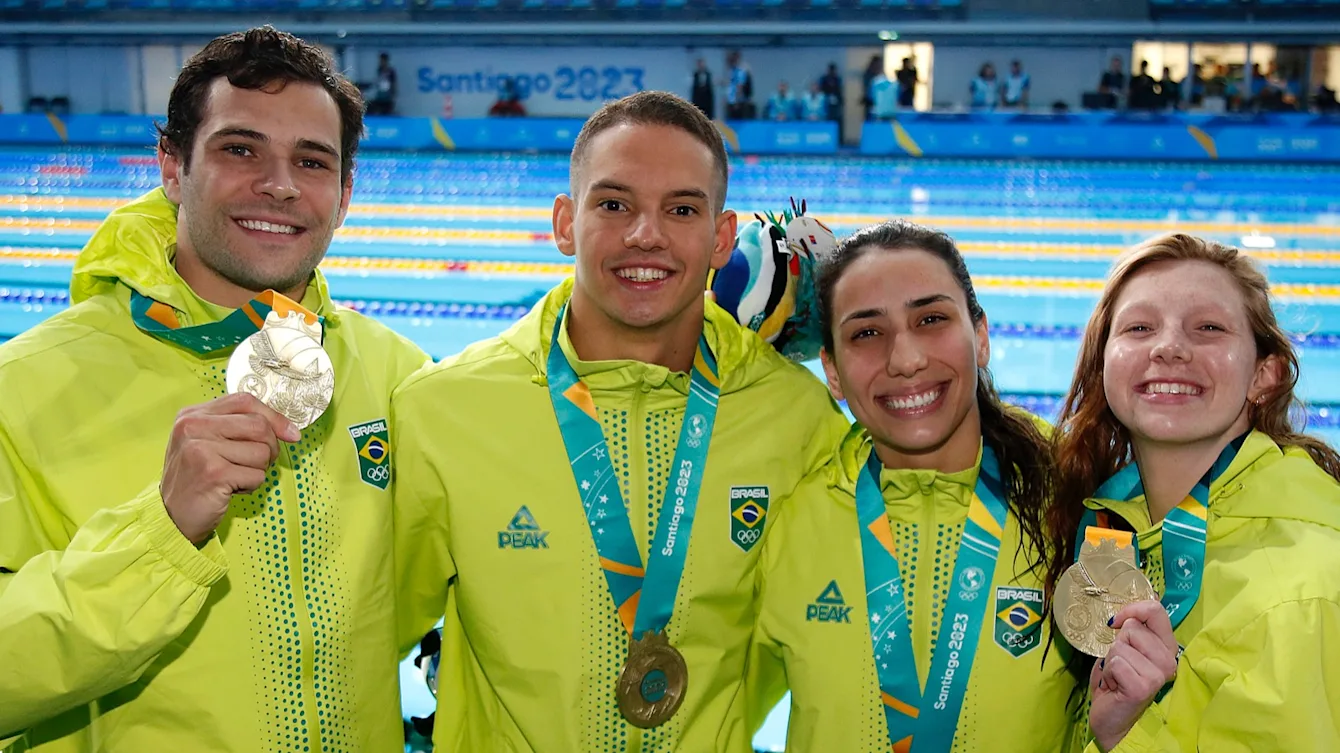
point(450, 249)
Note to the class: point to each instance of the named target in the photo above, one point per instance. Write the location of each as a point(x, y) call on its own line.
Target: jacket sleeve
point(83, 617)
point(1280, 691)
point(423, 562)
point(765, 669)
point(825, 437)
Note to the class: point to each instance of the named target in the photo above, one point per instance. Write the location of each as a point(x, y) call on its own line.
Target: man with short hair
point(586, 494)
point(182, 570)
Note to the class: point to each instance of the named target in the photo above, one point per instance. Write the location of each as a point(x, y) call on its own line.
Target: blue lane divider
point(511, 312)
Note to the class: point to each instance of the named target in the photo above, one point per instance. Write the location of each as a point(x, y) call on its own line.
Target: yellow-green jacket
point(1015, 700)
point(118, 635)
point(532, 644)
point(1261, 666)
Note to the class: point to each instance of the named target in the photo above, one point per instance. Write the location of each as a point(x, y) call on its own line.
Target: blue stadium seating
point(18, 9)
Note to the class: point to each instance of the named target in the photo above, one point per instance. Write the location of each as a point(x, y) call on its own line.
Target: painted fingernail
point(1110, 619)
point(1102, 663)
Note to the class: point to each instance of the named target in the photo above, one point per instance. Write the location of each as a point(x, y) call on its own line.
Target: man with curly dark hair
point(194, 543)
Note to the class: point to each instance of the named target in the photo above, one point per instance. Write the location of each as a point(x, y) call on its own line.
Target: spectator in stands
point(1142, 93)
point(385, 89)
point(1258, 84)
point(1169, 91)
point(703, 96)
point(1016, 87)
point(1324, 100)
point(883, 96)
point(874, 69)
point(814, 105)
point(1218, 89)
point(985, 89)
point(1196, 94)
point(831, 86)
point(1114, 81)
point(509, 100)
point(907, 84)
point(739, 88)
point(782, 105)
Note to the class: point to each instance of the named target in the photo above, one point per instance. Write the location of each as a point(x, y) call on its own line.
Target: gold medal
point(284, 366)
point(653, 681)
point(1095, 588)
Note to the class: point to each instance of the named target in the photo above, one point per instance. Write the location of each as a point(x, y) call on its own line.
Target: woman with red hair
point(1176, 451)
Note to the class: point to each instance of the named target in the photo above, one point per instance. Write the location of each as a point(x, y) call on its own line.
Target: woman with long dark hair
point(1176, 449)
point(902, 589)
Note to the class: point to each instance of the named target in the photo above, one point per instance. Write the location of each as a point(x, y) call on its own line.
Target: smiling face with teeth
point(905, 357)
point(1180, 365)
point(644, 225)
point(263, 194)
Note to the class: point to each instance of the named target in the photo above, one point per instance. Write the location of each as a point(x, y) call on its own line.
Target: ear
point(831, 373)
point(171, 169)
point(346, 194)
point(981, 333)
point(564, 215)
point(1269, 375)
point(727, 223)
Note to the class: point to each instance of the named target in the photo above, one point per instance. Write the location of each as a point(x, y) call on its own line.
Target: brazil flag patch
point(372, 444)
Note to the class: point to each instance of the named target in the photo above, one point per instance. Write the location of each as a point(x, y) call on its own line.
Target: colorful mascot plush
point(768, 284)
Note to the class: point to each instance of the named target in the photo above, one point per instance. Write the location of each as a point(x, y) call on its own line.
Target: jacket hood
point(134, 247)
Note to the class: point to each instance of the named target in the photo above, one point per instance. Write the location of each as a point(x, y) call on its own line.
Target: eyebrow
point(246, 133)
point(915, 303)
point(864, 314)
point(682, 193)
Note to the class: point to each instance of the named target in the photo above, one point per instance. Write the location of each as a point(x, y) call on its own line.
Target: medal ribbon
point(598, 486)
point(930, 716)
point(1183, 530)
point(161, 321)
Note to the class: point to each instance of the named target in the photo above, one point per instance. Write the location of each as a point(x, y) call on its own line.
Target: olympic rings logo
point(378, 473)
point(748, 536)
point(1018, 640)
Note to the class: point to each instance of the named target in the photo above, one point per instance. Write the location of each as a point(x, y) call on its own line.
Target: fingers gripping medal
point(653, 681)
point(284, 366)
point(1104, 579)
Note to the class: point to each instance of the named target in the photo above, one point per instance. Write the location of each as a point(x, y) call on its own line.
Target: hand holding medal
point(279, 381)
point(1106, 608)
point(1141, 661)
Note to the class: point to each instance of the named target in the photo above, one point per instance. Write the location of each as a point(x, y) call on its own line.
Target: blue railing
point(1291, 137)
point(424, 134)
point(1296, 137)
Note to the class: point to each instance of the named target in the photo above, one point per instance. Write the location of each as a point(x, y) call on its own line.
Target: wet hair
point(257, 59)
point(655, 108)
point(1091, 444)
point(1023, 451)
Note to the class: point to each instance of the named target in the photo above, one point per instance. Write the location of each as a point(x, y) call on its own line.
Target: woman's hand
point(1143, 659)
